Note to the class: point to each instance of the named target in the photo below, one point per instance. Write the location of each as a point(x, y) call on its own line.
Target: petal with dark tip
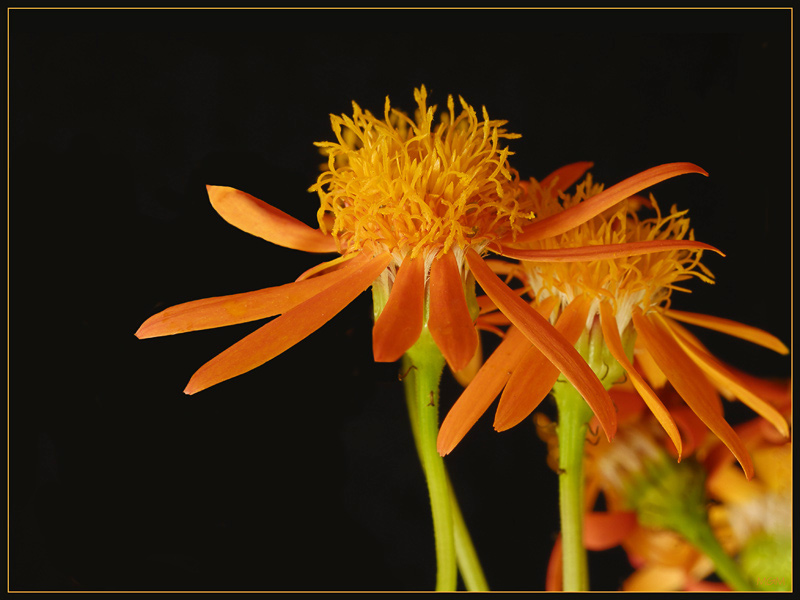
point(258, 218)
point(285, 331)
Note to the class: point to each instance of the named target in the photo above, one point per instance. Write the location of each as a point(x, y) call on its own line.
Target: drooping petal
point(285, 331)
point(645, 365)
point(449, 320)
point(778, 393)
point(551, 343)
point(720, 375)
point(580, 213)
point(614, 344)
point(690, 382)
point(535, 375)
point(601, 251)
point(400, 323)
point(260, 219)
point(220, 311)
point(694, 431)
point(482, 391)
point(740, 330)
point(565, 176)
point(467, 374)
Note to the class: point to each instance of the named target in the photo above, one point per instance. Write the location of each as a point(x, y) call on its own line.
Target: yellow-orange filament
point(408, 186)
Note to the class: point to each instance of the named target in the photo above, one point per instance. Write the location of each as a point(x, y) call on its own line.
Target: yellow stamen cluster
point(646, 280)
point(406, 186)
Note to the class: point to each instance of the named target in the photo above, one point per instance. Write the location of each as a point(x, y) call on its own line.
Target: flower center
point(646, 280)
point(406, 186)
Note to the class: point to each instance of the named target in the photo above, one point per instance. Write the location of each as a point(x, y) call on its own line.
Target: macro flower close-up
point(300, 308)
point(410, 208)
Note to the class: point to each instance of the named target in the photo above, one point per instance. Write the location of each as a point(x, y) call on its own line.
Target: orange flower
point(616, 301)
point(626, 470)
point(410, 207)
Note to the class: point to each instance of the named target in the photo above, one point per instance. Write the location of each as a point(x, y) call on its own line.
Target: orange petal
point(484, 326)
point(535, 375)
point(778, 393)
point(493, 318)
point(400, 323)
point(614, 345)
point(645, 364)
point(259, 218)
point(482, 391)
point(721, 376)
point(331, 265)
point(285, 331)
point(580, 213)
point(740, 330)
point(237, 308)
point(694, 430)
point(551, 343)
point(690, 382)
point(565, 176)
point(629, 404)
point(601, 251)
point(604, 530)
point(449, 320)
point(467, 374)
point(502, 267)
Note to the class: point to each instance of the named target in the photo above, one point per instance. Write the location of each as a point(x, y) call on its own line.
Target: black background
point(302, 474)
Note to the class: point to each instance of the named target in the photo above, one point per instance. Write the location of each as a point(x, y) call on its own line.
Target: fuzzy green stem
point(424, 363)
point(466, 557)
point(702, 537)
point(573, 421)
point(468, 563)
point(574, 415)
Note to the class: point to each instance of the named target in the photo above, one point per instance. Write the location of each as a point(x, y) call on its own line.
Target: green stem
point(468, 564)
point(700, 535)
point(573, 420)
point(424, 363)
point(466, 557)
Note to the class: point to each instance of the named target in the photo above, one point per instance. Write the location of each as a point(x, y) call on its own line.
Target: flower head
point(410, 206)
point(608, 303)
point(415, 187)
